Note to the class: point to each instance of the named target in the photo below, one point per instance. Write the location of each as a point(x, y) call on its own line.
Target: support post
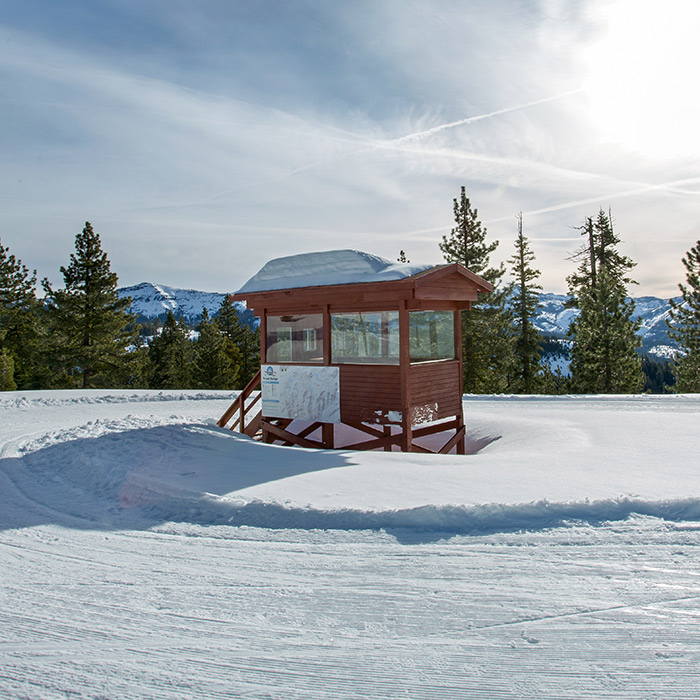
point(263, 337)
point(460, 443)
point(459, 350)
point(387, 433)
point(404, 364)
point(327, 436)
point(263, 360)
point(459, 355)
point(326, 335)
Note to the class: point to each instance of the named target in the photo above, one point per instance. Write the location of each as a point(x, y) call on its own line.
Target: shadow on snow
point(190, 473)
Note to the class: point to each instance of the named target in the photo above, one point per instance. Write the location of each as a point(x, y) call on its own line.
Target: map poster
point(303, 392)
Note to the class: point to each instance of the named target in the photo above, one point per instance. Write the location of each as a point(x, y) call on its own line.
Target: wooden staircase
point(240, 409)
point(245, 416)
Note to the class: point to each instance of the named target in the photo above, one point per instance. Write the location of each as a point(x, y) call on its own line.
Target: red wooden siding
point(436, 383)
point(368, 392)
point(368, 389)
point(445, 289)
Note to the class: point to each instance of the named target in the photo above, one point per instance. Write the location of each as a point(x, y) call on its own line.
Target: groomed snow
point(328, 267)
point(146, 553)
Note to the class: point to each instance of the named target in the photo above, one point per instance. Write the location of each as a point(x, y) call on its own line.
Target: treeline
point(83, 335)
point(504, 352)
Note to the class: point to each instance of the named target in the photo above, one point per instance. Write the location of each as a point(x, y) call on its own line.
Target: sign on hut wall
point(302, 392)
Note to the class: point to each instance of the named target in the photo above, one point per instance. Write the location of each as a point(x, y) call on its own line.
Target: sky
point(202, 139)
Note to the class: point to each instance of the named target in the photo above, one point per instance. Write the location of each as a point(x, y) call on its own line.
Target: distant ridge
point(554, 319)
point(151, 301)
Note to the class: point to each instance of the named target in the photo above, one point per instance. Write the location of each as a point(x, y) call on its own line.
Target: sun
point(642, 82)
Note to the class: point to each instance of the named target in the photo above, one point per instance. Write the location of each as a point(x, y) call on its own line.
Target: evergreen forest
point(83, 335)
point(503, 351)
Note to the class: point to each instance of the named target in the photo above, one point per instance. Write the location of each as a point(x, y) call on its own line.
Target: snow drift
point(145, 553)
point(537, 463)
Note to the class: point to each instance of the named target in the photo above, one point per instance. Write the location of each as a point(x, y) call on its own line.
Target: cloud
point(203, 140)
point(479, 117)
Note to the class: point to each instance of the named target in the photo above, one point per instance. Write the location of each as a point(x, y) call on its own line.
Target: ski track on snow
point(167, 592)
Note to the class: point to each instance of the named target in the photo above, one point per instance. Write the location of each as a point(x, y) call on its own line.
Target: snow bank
point(536, 463)
point(196, 474)
point(123, 578)
point(465, 520)
point(328, 267)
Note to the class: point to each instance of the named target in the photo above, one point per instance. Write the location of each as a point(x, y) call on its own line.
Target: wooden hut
point(351, 339)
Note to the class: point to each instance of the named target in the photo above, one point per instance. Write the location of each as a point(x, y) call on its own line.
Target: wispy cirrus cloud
point(202, 140)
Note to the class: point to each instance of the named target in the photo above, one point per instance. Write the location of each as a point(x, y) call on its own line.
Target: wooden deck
point(371, 403)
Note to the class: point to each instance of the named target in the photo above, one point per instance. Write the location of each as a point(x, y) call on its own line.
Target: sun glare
point(642, 79)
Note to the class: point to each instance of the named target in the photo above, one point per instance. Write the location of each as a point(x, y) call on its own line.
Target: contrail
point(672, 186)
point(479, 117)
point(376, 145)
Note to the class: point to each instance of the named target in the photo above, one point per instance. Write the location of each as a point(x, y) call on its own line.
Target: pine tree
point(250, 353)
point(554, 354)
point(243, 347)
point(213, 368)
point(7, 368)
point(19, 324)
point(685, 326)
point(604, 355)
point(658, 376)
point(92, 331)
point(171, 355)
point(135, 372)
point(553, 381)
point(487, 327)
point(227, 318)
point(525, 302)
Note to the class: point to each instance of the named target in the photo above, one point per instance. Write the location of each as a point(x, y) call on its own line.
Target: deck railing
point(242, 406)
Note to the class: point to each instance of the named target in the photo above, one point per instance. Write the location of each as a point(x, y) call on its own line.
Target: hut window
point(295, 338)
point(365, 338)
point(309, 339)
point(431, 335)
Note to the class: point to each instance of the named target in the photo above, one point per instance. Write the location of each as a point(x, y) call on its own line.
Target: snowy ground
point(145, 553)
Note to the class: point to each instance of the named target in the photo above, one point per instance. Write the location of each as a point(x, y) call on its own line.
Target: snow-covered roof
point(328, 267)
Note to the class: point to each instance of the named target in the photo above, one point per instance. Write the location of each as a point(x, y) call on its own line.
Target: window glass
point(365, 338)
point(309, 339)
point(295, 338)
point(431, 335)
point(283, 344)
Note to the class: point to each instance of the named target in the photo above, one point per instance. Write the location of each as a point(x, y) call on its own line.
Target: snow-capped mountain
point(655, 313)
point(151, 301)
point(155, 300)
point(554, 319)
